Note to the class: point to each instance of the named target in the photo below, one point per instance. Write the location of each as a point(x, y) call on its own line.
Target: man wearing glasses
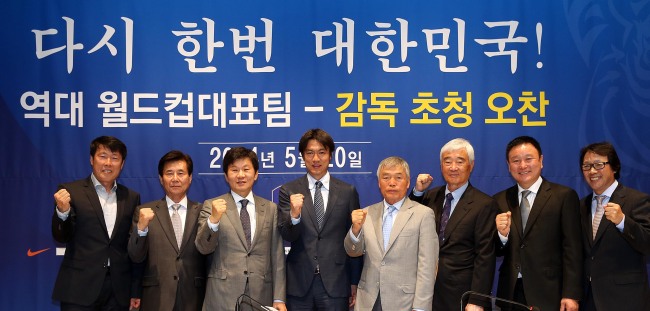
point(616, 232)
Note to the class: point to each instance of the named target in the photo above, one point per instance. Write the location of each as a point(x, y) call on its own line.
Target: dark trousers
point(317, 299)
point(105, 302)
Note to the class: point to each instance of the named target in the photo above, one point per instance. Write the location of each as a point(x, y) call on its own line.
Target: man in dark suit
point(240, 230)
point(93, 217)
point(538, 235)
point(464, 219)
point(315, 217)
point(616, 231)
point(163, 237)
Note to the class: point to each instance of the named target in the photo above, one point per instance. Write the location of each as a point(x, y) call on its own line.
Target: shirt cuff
point(143, 232)
point(61, 215)
point(417, 194)
point(213, 227)
point(621, 225)
point(295, 221)
point(504, 239)
point(355, 239)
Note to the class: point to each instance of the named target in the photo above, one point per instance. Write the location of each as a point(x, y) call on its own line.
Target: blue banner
point(382, 77)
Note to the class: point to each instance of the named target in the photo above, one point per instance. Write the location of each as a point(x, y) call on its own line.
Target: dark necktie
point(446, 210)
point(245, 221)
point(524, 207)
point(598, 215)
point(318, 204)
point(177, 224)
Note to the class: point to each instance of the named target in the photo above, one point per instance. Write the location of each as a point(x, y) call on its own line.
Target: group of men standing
point(417, 249)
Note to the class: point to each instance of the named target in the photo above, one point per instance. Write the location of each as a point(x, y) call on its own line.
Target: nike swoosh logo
point(30, 253)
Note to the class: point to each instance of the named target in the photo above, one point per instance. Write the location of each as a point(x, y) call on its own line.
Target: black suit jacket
point(88, 247)
point(172, 274)
point(467, 257)
point(615, 261)
point(310, 246)
point(549, 253)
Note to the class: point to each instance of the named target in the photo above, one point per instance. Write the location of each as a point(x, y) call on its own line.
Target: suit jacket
point(89, 248)
point(406, 271)
point(171, 273)
point(467, 257)
point(311, 246)
point(615, 261)
point(548, 253)
point(233, 264)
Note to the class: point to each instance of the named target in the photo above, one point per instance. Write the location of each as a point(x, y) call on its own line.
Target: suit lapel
point(332, 196)
point(308, 204)
point(120, 194)
point(438, 203)
point(233, 216)
point(538, 205)
point(93, 198)
point(585, 210)
point(402, 218)
point(376, 212)
point(162, 213)
point(512, 196)
point(461, 209)
point(191, 217)
point(260, 218)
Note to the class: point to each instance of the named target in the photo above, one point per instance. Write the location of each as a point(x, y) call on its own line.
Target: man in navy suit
point(616, 235)
point(467, 255)
point(314, 215)
point(93, 217)
point(538, 235)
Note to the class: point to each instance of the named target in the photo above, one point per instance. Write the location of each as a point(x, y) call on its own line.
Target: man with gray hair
point(464, 218)
point(398, 240)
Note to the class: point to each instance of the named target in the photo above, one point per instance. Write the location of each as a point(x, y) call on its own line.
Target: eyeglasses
point(597, 165)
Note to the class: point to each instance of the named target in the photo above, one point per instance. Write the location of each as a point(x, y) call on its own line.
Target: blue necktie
point(446, 210)
point(388, 225)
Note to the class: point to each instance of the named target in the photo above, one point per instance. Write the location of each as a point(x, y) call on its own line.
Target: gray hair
point(457, 144)
point(394, 161)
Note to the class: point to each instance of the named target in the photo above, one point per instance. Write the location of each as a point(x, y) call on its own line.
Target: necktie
point(598, 215)
point(446, 210)
point(388, 225)
point(524, 207)
point(318, 204)
point(176, 223)
point(245, 221)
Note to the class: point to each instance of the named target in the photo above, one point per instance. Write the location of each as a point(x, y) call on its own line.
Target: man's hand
point(218, 208)
point(145, 216)
point(471, 307)
point(353, 296)
point(503, 222)
point(423, 182)
point(280, 306)
point(62, 199)
point(296, 204)
point(613, 213)
point(568, 304)
point(358, 218)
point(134, 304)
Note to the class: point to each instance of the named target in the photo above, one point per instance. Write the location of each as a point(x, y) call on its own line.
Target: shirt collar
point(325, 180)
point(98, 185)
point(534, 188)
point(250, 197)
point(609, 191)
point(458, 192)
point(397, 204)
point(183, 202)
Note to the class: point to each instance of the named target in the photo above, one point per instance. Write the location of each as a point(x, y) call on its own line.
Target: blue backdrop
point(382, 77)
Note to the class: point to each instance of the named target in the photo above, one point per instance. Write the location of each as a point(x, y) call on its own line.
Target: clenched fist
point(62, 199)
point(145, 216)
point(358, 218)
point(423, 182)
point(218, 208)
point(296, 204)
point(503, 222)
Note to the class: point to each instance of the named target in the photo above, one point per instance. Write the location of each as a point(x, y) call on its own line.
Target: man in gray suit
point(240, 230)
point(163, 237)
point(400, 246)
